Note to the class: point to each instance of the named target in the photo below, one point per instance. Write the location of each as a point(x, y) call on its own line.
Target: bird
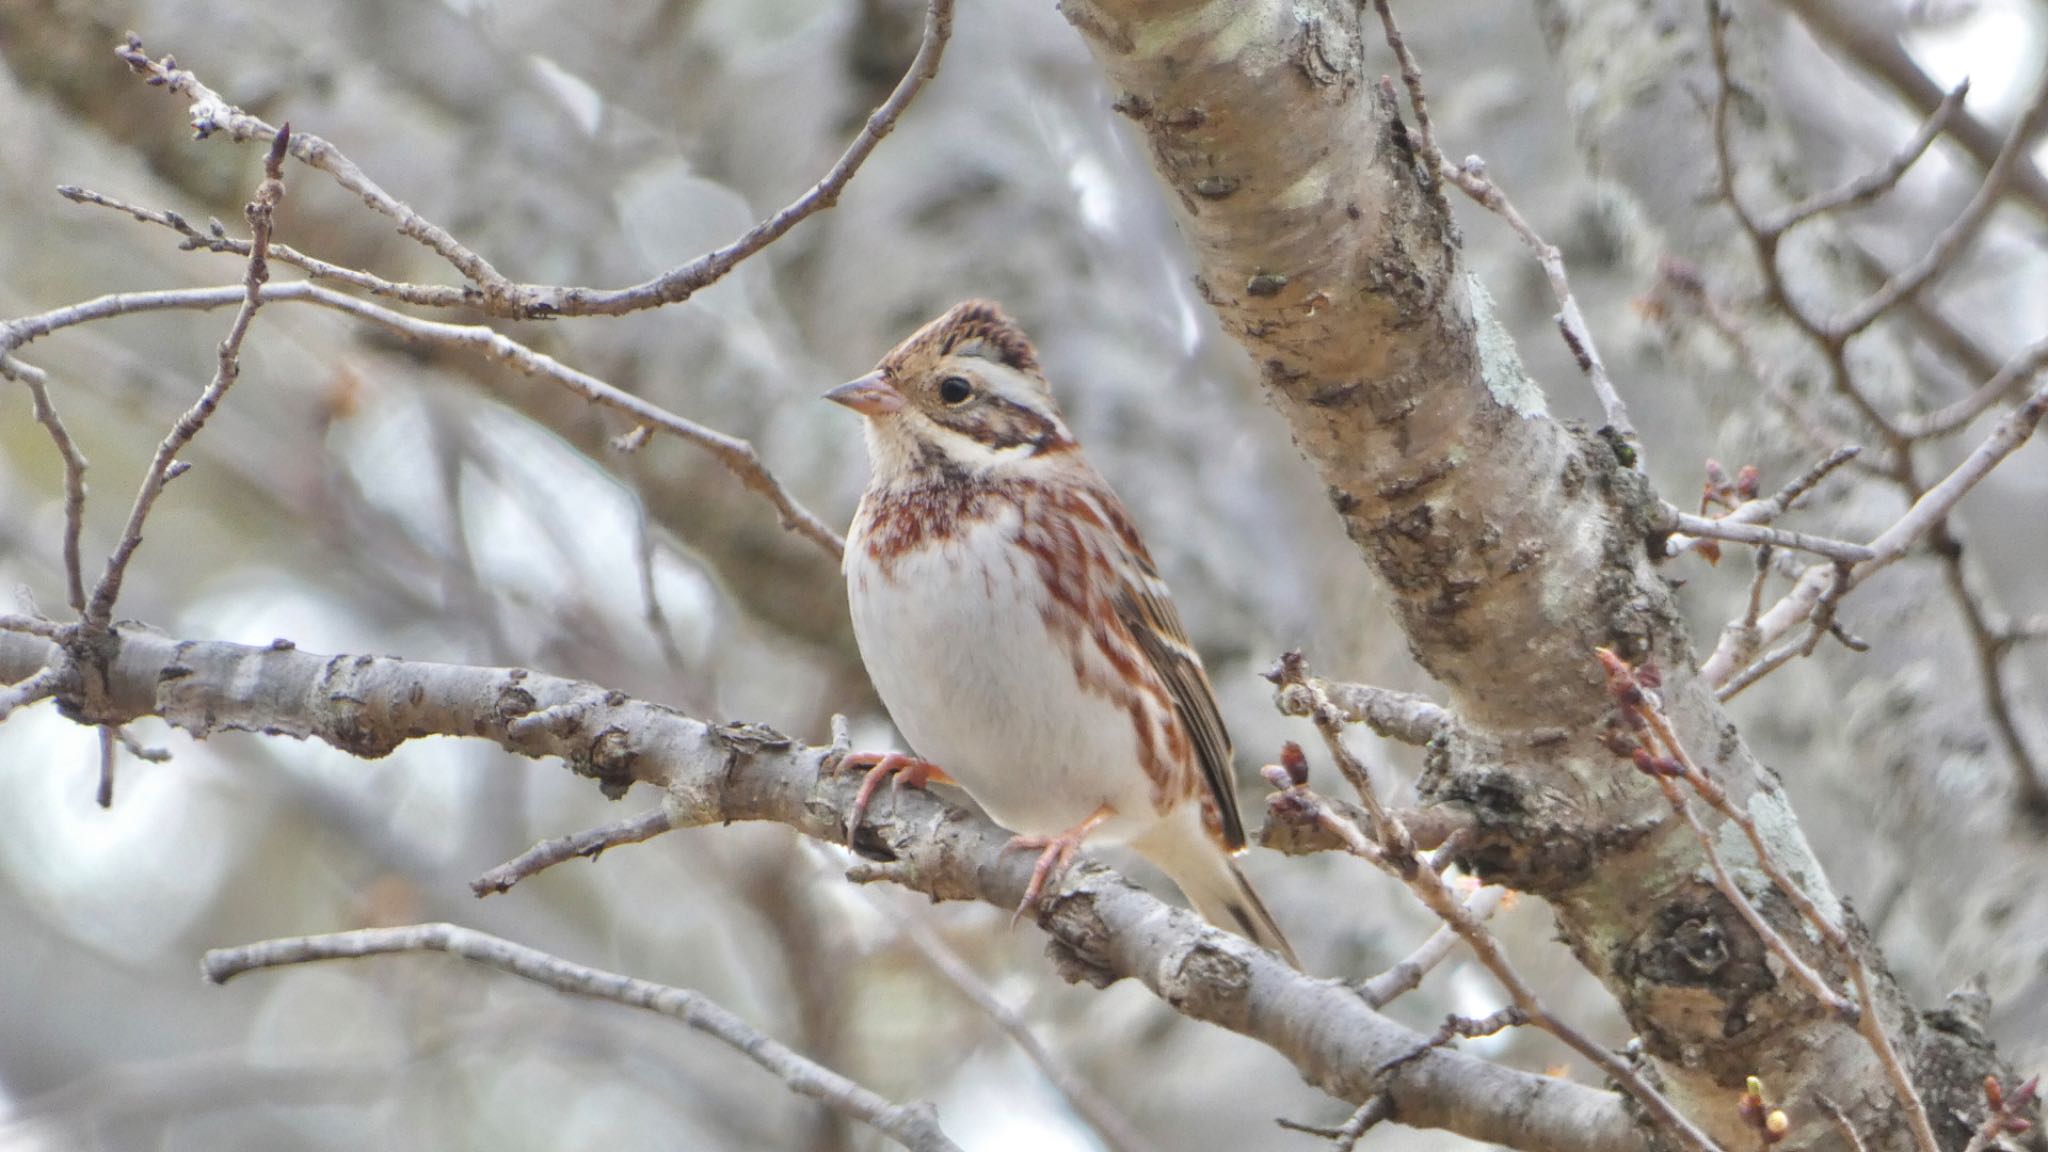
point(1017, 631)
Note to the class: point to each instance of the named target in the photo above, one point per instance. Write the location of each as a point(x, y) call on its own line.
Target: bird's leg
point(1054, 852)
point(894, 767)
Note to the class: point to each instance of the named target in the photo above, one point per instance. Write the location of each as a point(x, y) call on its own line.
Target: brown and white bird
point(1015, 627)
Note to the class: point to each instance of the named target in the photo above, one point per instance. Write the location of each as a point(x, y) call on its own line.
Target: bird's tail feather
point(1214, 884)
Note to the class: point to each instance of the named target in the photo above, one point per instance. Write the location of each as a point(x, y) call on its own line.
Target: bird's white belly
point(955, 644)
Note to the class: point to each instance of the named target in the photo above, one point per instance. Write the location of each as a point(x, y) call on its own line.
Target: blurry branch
point(1103, 927)
point(2011, 376)
point(590, 843)
point(1868, 187)
point(737, 455)
point(1405, 976)
point(1850, 28)
point(914, 1126)
point(1815, 595)
point(1344, 1137)
point(1386, 843)
point(1094, 1109)
point(1644, 716)
point(489, 290)
point(74, 470)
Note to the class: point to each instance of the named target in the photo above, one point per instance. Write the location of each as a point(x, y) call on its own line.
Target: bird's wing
point(1147, 610)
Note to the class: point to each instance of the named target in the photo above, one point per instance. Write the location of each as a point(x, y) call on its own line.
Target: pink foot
point(1055, 854)
point(894, 767)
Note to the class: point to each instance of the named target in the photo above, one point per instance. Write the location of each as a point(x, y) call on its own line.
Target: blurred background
point(360, 495)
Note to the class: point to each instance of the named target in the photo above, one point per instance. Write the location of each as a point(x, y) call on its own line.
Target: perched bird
point(1017, 631)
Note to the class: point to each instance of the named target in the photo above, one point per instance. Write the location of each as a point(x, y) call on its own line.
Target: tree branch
point(1103, 927)
point(915, 1126)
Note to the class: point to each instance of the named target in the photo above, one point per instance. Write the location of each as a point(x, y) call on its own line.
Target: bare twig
point(1436, 895)
point(1880, 180)
point(492, 292)
point(1894, 543)
point(2014, 374)
point(1345, 1136)
point(1843, 1124)
point(1392, 848)
point(1094, 1109)
point(914, 1126)
point(1401, 716)
point(1406, 976)
point(100, 607)
point(1678, 765)
point(1957, 237)
point(1747, 533)
point(216, 239)
point(1471, 178)
point(736, 455)
point(591, 843)
point(41, 685)
point(74, 470)
point(1411, 78)
point(1845, 25)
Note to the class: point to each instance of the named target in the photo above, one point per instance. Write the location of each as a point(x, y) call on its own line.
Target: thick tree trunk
point(1512, 545)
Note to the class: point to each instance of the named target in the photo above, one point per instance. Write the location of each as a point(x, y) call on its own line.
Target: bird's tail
point(1212, 881)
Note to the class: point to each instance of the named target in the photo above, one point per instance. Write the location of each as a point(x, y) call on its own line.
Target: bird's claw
point(894, 767)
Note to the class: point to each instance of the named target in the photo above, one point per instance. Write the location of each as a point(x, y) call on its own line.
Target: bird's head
point(962, 397)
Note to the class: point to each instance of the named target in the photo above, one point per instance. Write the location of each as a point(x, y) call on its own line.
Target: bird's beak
point(871, 395)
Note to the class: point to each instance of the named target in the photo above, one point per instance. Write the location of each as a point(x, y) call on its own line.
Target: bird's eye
point(955, 390)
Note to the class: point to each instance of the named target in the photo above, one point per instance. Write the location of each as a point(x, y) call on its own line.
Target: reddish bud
point(1295, 761)
point(1748, 482)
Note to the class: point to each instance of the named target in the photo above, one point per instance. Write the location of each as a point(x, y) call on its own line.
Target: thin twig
point(591, 843)
point(914, 1126)
point(1878, 50)
point(38, 386)
point(1949, 245)
point(99, 609)
point(1401, 716)
point(1436, 895)
point(1392, 848)
point(492, 292)
point(1875, 183)
point(41, 686)
point(1405, 976)
point(1471, 178)
point(1411, 78)
point(1843, 1124)
point(217, 240)
point(2014, 374)
point(736, 455)
point(1345, 1136)
point(1740, 532)
point(1094, 1109)
point(1863, 1012)
point(1895, 542)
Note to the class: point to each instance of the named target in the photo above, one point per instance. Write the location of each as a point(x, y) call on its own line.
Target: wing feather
point(1145, 607)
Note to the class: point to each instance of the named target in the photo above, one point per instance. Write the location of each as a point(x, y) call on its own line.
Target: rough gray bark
point(1103, 927)
point(1513, 546)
